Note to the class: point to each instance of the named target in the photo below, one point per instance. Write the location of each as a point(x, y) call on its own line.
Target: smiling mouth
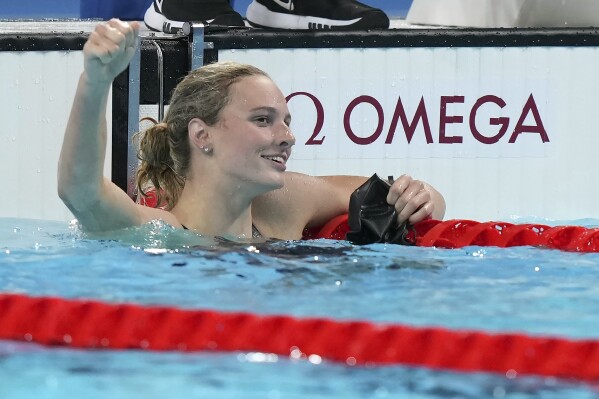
point(275, 158)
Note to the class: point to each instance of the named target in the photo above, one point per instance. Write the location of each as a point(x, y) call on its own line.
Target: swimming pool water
point(535, 291)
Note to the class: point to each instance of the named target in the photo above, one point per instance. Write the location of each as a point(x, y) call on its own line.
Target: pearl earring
point(207, 150)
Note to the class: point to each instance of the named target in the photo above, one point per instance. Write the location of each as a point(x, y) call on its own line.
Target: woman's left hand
point(412, 199)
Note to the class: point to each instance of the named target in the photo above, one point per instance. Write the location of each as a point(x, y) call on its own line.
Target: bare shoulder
point(148, 214)
point(304, 201)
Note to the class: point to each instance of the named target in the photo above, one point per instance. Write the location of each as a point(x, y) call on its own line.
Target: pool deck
point(86, 26)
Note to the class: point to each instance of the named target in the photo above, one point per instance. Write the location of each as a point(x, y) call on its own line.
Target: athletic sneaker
point(169, 16)
point(315, 14)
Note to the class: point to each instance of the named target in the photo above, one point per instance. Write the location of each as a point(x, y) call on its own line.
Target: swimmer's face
point(254, 140)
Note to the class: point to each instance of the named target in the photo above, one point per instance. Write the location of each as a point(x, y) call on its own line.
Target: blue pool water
point(534, 291)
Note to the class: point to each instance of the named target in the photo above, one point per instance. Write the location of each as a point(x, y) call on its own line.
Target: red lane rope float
point(93, 324)
point(460, 233)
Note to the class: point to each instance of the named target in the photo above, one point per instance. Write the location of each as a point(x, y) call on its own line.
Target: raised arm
point(95, 201)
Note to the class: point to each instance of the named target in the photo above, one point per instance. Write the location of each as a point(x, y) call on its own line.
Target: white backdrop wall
point(543, 164)
point(545, 97)
point(37, 93)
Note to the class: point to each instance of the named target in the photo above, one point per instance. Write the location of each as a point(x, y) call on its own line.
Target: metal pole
point(160, 69)
point(195, 32)
point(196, 44)
point(133, 118)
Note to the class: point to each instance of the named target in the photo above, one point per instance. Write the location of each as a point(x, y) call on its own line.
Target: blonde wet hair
point(164, 149)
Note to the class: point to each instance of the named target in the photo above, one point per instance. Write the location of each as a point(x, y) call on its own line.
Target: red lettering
point(420, 117)
point(347, 124)
point(530, 107)
point(445, 120)
point(410, 128)
point(502, 121)
point(319, 116)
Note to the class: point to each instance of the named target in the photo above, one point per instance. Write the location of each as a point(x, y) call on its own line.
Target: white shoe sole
point(259, 15)
point(159, 22)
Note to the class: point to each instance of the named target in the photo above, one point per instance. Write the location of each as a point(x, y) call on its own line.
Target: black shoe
point(315, 14)
point(169, 16)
